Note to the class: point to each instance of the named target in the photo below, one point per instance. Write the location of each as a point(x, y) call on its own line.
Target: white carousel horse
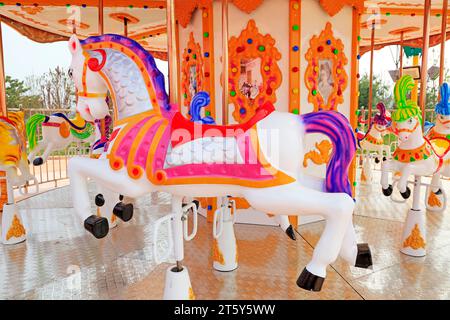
point(154, 148)
point(14, 162)
point(414, 155)
point(372, 142)
point(201, 100)
point(58, 132)
point(435, 196)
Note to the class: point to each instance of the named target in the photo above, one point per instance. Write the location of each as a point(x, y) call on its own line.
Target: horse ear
point(74, 44)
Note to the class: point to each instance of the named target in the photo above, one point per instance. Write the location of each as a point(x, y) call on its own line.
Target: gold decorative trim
point(253, 45)
point(192, 58)
point(16, 229)
point(415, 239)
point(324, 49)
point(322, 157)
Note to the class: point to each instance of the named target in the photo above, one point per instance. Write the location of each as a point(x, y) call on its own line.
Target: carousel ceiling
point(394, 17)
point(55, 20)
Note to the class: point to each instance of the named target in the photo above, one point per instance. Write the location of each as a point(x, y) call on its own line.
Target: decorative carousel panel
point(192, 70)
point(254, 75)
point(325, 76)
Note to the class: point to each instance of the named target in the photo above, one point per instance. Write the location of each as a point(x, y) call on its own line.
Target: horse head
point(407, 118)
point(86, 72)
point(380, 121)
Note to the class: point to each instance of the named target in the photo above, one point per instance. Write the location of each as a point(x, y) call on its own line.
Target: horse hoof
point(121, 197)
point(309, 281)
point(98, 226)
point(438, 192)
point(377, 160)
point(384, 159)
point(364, 256)
point(291, 233)
point(123, 211)
point(406, 194)
point(99, 200)
point(38, 161)
point(388, 191)
point(197, 204)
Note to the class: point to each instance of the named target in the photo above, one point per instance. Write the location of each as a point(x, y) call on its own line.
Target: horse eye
point(70, 73)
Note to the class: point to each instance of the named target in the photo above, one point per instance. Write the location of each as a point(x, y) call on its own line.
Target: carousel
point(243, 173)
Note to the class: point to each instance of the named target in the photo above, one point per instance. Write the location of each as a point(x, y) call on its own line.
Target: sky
point(24, 57)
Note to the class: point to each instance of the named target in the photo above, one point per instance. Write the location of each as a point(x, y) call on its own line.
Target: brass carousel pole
point(225, 62)
point(125, 27)
point(372, 47)
point(172, 52)
point(424, 68)
point(401, 53)
point(3, 112)
point(101, 31)
point(443, 39)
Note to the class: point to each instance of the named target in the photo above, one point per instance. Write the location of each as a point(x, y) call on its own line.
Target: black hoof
point(291, 233)
point(197, 204)
point(121, 197)
point(387, 192)
point(384, 159)
point(38, 161)
point(364, 256)
point(99, 200)
point(377, 160)
point(406, 194)
point(438, 192)
point(96, 225)
point(310, 282)
point(123, 211)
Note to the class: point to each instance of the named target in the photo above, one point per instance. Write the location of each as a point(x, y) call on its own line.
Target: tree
point(18, 95)
point(55, 89)
point(382, 92)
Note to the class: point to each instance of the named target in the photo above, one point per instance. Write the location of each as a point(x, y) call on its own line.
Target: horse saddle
point(185, 130)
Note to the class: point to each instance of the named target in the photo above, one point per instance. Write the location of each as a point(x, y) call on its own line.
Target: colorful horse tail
point(443, 106)
point(337, 128)
point(32, 123)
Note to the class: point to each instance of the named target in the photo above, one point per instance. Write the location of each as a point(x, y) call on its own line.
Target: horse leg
point(387, 166)
point(336, 208)
point(357, 255)
point(403, 181)
point(99, 170)
point(40, 160)
point(39, 147)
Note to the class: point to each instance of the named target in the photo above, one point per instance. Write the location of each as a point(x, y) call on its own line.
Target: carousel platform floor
point(60, 260)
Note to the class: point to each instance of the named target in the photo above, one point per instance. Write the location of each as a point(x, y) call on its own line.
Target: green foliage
point(382, 92)
point(18, 95)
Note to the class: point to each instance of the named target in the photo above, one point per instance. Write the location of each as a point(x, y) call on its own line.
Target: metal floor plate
point(60, 260)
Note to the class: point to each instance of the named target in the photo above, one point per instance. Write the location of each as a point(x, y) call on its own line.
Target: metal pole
point(3, 112)
point(401, 54)
point(125, 27)
point(443, 39)
point(426, 43)
point(225, 62)
point(372, 46)
point(172, 51)
point(101, 29)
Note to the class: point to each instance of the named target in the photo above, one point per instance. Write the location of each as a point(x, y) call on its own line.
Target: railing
point(54, 170)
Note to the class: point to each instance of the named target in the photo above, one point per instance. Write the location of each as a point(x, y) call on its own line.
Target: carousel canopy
point(56, 20)
point(392, 18)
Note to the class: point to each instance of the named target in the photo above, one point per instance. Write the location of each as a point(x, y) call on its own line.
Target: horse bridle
point(87, 61)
